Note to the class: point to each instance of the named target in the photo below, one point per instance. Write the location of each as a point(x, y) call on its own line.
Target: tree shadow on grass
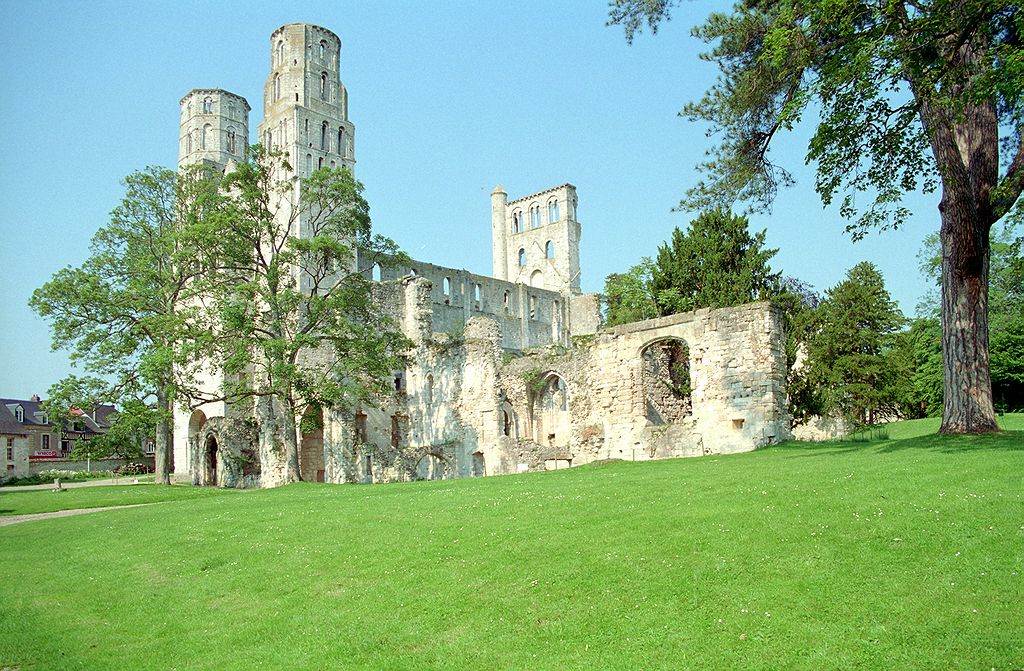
point(1006, 441)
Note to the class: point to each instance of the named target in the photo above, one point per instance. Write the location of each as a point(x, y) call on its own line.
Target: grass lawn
point(44, 501)
point(899, 554)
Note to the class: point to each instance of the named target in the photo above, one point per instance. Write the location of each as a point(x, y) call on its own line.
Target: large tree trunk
point(966, 383)
point(286, 408)
point(164, 443)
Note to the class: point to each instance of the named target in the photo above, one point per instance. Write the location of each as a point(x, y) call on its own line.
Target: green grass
point(899, 554)
point(44, 501)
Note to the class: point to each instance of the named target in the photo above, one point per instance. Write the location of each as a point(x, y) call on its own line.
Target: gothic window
point(341, 141)
point(231, 141)
point(324, 142)
point(535, 216)
point(517, 222)
point(553, 211)
point(277, 86)
point(207, 105)
point(549, 250)
point(522, 258)
point(323, 49)
point(323, 86)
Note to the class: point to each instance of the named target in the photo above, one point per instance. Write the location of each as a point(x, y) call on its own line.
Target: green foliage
point(850, 353)
point(716, 263)
point(628, 296)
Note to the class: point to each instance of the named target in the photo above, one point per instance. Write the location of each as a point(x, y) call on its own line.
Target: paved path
point(124, 480)
point(6, 520)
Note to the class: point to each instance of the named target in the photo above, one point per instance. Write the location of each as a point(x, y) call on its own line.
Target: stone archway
point(665, 380)
point(211, 457)
point(311, 445)
point(551, 425)
point(196, 423)
point(431, 467)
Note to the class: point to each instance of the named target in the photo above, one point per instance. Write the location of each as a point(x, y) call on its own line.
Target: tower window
point(189, 142)
point(309, 164)
point(277, 87)
point(207, 105)
point(204, 141)
point(320, 162)
point(280, 53)
point(231, 141)
point(517, 222)
point(508, 303)
point(553, 211)
point(549, 250)
point(323, 86)
point(533, 307)
point(324, 142)
point(341, 141)
point(522, 258)
point(323, 49)
point(535, 216)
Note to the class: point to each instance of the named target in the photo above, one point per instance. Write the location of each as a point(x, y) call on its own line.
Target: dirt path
point(5, 520)
point(123, 480)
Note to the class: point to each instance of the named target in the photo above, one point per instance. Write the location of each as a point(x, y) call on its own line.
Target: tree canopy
point(906, 95)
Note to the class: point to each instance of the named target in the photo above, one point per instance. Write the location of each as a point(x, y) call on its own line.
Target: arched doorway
point(210, 458)
point(430, 467)
point(551, 412)
point(479, 466)
point(311, 446)
point(666, 381)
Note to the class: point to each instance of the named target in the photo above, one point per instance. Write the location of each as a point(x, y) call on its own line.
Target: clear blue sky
point(448, 100)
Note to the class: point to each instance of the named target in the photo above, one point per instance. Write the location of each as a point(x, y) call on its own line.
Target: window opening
point(522, 258)
point(360, 427)
point(323, 86)
point(207, 105)
point(231, 141)
point(476, 295)
point(341, 141)
point(324, 142)
point(549, 250)
point(533, 307)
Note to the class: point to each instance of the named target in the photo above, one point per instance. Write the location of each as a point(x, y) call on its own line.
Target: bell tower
point(305, 105)
point(214, 128)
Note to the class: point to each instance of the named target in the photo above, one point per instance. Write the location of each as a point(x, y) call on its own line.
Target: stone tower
point(536, 239)
point(305, 105)
point(214, 128)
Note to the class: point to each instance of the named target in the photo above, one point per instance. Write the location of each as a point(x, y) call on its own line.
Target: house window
point(65, 446)
point(10, 454)
point(10, 442)
point(522, 258)
point(552, 211)
point(19, 414)
point(46, 441)
point(549, 250)
point(207, 105)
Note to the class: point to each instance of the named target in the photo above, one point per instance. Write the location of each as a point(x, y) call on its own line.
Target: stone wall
point(37, 466)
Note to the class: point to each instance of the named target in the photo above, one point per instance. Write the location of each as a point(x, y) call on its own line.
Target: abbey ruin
point(508, 373)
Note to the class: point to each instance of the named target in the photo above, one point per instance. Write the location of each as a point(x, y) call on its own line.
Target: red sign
point(45, 454)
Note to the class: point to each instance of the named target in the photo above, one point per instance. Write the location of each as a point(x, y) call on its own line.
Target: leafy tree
point(716, 263)
point(628, 296)
point(127, 315)
point(299, 325)
point(908, 95)
point(849, 353)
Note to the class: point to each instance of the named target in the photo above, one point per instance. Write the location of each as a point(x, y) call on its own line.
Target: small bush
point(133, 468)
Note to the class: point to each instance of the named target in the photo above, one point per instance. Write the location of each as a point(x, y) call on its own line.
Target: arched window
point(280, 53)
point(476, 296)
point(517, 222)
point(189, 142)
point(320, 162)
point(323, 86)
point(19, 414)
point(341, 141)
point(522, 258)
point(447, 289)
point(508, 302)
point(206, 140)
point(231, 141)
point(375, 272)
point(430, 388)
point(277, 86)
point(207, 105)
point(549, 250)
point(324, 142)
point(535, 216)
point(323, 49)
point(552, 211)
point(533, 307)
point(309, 164)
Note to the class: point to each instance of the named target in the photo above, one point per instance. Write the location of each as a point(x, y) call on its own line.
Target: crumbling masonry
point(508, 373)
